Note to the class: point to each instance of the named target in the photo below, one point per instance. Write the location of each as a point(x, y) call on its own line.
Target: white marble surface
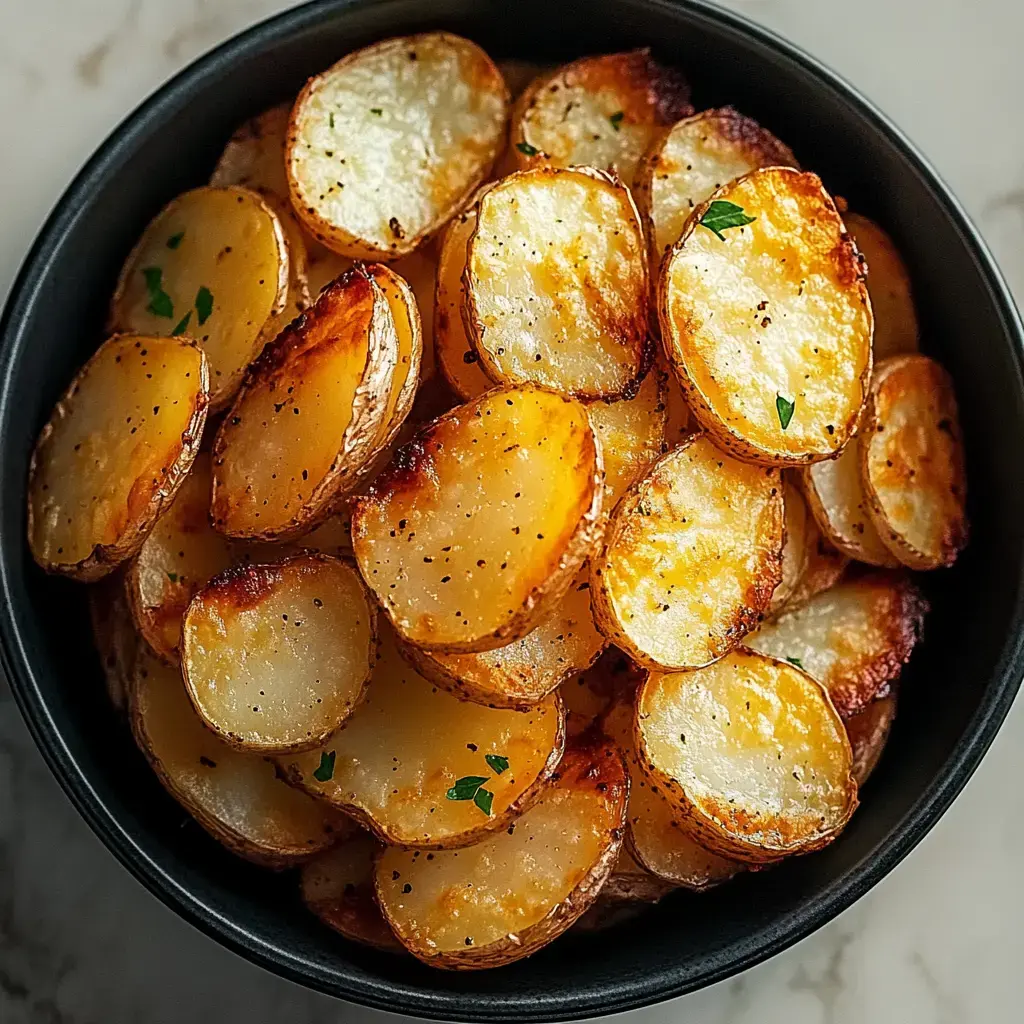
point(938, 942)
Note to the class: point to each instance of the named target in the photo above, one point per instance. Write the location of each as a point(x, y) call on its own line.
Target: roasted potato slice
point(912, 462)
point(388, 144)
point(338, 887)
point(694, 158)
point(751, 752)
point(276, 657)
point(854, 639)
point(796, 550)
point(556, 283)
point(114, 633)
point(868, 731)
point(254, 155)
point(678, 425)
point(631, 882)
point(598, 111)
point(825, 568)
point(309, 416)
point(406, 762)
point(525, 671)
point(475, 531)
point(299, 297)
point(114, 451)
point(514, 892)
point(614, 676)
point(212, 265)
point(766, 319)
point(691, 557)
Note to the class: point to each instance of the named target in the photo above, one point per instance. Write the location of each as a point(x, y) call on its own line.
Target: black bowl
point(956, 692)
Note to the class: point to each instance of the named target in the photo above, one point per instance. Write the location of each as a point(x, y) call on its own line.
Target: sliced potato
point(114, 451)
point(236, 797)
point(751, 752)
point(825, 568)
point(276, 657)
point(212, 265)
point(115, 637)
point(299, 297)
point(397, 763)
point(631, 882)
point(678, 425)
point(912, 462)
point(691, 557)
point(767, 322)
point(254, 155)
point(854, 639)
point(556, 283)
point(598, 111)
point(338, 887)
point(868, 731)
point(475, 531)
point(525, 671)
point(614, 676)
point(309, 415)
point(388, 144)
point(694, 158)
point(796, 551)
point(514, 892)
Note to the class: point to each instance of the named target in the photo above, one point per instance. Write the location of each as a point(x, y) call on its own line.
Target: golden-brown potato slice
point(796, 551)
point(338, 887)
point(691, 557)
point(212, 265)
point(385, 146)
point(114, 634)
point(614, 676)
point(694, 158)
point(896, 331)
point(766, 319)
point(405, 762)
point(601, 111)
point(854, 639)
point(475, 531)
point(254, 155)
point(825, 567)
point(514, 892)
point(678, 425)
point(631, 882)
point(276, 657)
point(556, 283)
point(868, 731)
point(116, 448)
point(751, 752)
point(309, 415)
point(525, 671)
point(236, 797)
point(299, 297)
point(912, 462)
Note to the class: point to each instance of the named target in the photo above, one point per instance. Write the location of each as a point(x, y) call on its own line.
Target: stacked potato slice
point(614, 602)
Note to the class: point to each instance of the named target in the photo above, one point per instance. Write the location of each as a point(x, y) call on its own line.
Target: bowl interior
point(954, 694)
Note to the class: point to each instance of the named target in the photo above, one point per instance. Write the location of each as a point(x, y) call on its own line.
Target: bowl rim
point(619, 996)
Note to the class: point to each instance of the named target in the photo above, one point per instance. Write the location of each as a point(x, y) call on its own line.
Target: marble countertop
point(937, 942)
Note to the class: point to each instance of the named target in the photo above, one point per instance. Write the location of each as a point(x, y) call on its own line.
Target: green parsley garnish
point(784, 407)
point(470, 787)
point(175, 240)
point(497, 763)
point(325, 772)
point(483, 800)
point(204, 304)
point(159, 301)
point(616, 119)
point(795, 661)
point(182, 324)
point(377, 110)
point(721, 215)
point(173, 577)
point(466, 787)
point(526, 149)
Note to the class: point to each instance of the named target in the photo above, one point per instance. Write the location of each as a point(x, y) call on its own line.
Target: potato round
point(114, 451)
point(691, 557)
point(796, 551)
point(694, 158)
point(613, 677)
point(825, 567)
point(678, 422)
point(514, 892)
point(277, 656)
point(598, 111)
point(476, 529)
point(397, 758)
point(254, 155)
point(298, 297)
point(556, 283)
point(912, 462)
point(631, 882)
point(309, 416)
point(212, 265)
point(114, 634)
point(769, 325)
point(854, 638)
point(751, 752)
point(387, 145)
point(868, 731)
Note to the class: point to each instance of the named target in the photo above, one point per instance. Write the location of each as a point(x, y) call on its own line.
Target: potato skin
point(114, 635)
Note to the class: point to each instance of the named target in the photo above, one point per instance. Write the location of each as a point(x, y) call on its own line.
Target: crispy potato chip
point(868, 731)
point(796, 551)
point(115, 637)
point(114, 451)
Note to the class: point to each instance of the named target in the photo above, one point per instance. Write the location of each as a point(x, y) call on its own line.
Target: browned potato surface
point(868, 731)
point(631, 882)
point(115, 637)
point(825, 567)
point(796, 551)
point(614, 676)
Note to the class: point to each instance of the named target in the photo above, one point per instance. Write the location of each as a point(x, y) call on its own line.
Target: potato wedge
point(338, 887)
point(212, 265)
point(556, 283)
point(388, 144)
point(854, 638)
point(825, 568)
point(116, 448)
point(613, 677)
point(600, 111)
point(114, 634)
point(896, 330)
point(514, 892)
point(868, 731)
point(691, 557)
point(254, 155)
point(525, 671)
point(309, 416)
point(276, 657)
point(399, 760)
point(236, 797)
point(767, 321)
point(751, 752)
point(912, 462)
point(695, 157)
point(796, 550)
point(475, 531)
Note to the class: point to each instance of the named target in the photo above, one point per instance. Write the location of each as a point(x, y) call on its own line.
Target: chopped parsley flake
point(784, 407)
point(721, 215)
point(526, 149)
point(325, 772)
